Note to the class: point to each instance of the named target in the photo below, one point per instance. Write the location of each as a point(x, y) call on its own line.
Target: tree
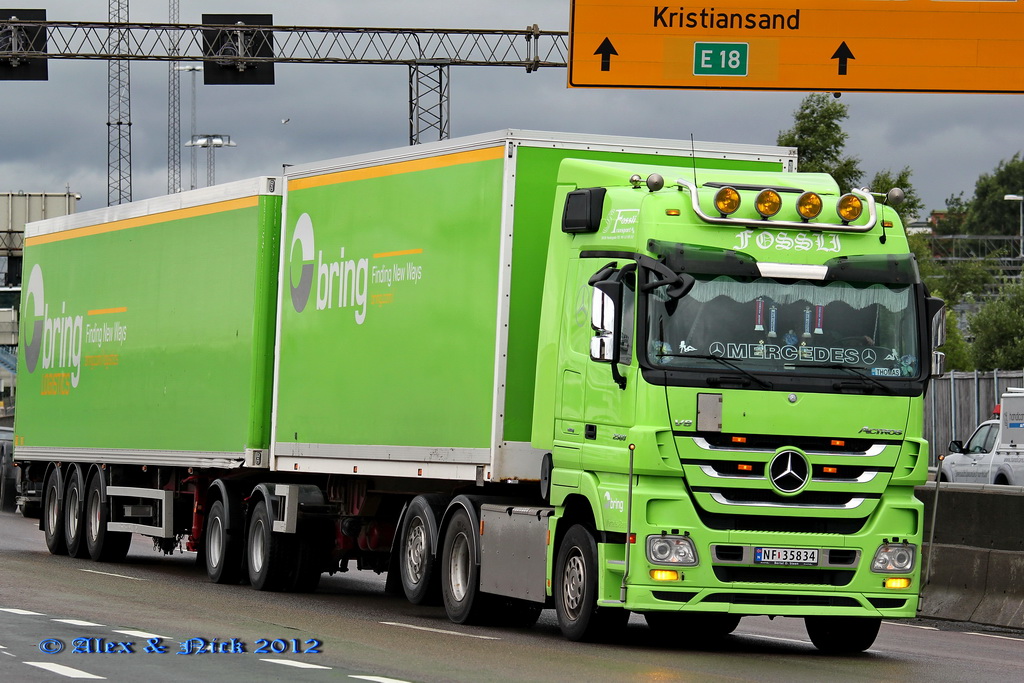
point(911, 206)
point(955, 282)
point(989, 213)
point(952, 223)
point(998, 330)
point(818, 135)
point(957, 350)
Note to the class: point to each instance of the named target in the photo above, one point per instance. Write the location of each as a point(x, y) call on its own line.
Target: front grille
point(804, 525)
point(790, 575)
point(782, 600)
point(772, 442)
point(812, 499)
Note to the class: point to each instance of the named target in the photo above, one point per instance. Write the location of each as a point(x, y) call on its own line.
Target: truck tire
point(266, 555)
point(103, 545)
point(575, 591)
point(416, 562)
point(74, 515)
point(223, 552)
point(460, 573)
point(53, 515)
point(842, 635)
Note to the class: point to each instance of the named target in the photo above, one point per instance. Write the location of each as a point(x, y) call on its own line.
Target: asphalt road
point(145, 619)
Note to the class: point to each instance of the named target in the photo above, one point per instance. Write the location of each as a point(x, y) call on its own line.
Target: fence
point(957, 401)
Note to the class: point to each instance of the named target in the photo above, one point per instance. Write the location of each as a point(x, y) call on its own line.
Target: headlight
point(894, 558)
point(677, 550)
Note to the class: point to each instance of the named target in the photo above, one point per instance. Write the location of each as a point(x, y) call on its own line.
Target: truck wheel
point(575, 590)
point(53, 515)
point(416, 562)
point(460, 574)
point(266, 555)
point(74, 515)
point(223, 552)
point(103, 545)
point(842, 635)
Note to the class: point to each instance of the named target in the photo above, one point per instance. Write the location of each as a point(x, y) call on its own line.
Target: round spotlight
point(809, 205)
point(849, 208)
point(727, 200)
point(768, 203)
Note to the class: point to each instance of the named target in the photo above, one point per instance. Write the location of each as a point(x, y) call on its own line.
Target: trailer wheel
point(266, 555)
point(842, 635)
point(460, 573)
point(575, 591)
point(103, 545)
point(416, 562)
point(53, 515)
point(74, 515)
point(223, 552)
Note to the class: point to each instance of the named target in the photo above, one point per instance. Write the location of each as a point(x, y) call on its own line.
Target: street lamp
point(193, 68)
point(1020, 199)
point(210, 141)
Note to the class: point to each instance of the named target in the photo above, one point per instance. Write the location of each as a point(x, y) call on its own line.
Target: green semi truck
point(516, 371)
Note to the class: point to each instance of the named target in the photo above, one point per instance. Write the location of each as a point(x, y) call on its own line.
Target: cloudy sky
point(53, 134)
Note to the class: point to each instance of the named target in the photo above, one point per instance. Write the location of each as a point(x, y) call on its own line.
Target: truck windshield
point(764, 325)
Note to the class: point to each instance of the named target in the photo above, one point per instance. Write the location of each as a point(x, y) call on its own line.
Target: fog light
point(664, 575)
point(849, 208)
point(727, 200)
point(809, 205)
point(768, 203)
point(897, 582)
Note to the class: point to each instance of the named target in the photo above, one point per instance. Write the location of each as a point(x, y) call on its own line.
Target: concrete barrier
point(974, 566)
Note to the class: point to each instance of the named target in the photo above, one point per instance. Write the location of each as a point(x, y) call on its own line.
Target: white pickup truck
point(995, 452)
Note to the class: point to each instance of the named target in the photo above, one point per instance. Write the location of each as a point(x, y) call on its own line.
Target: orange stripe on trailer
point(141, 221)
point(398, 167)
point(405, 252)
point(105, 311)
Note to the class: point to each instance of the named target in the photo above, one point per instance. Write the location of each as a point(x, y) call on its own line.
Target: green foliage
point(818, 134)
point(998, 331)
point(912, 205)
point(955, 282)
point(956, 348)
point(989, 213)
point(957, 209)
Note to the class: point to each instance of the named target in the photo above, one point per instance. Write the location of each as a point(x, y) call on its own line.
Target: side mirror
point(956, 447)
point(938, 363)
point(602, 319)
point(606, 318)
point(936, 309)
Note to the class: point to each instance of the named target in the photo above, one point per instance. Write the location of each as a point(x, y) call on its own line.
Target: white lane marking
point(76, 622)
point(15, 610)
point(378, 679)
point(438, 630)
point(8, 654)
point(120, 576)
point(781, 640)
point(291, 662)
point(142, 634)
point(993, 635)
point(923, 628)
point(64, 670)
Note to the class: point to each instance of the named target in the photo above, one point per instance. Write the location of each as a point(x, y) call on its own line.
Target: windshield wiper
point(853, 371)
point(764, 384)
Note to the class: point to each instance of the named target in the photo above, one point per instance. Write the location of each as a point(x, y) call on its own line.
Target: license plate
point(786, 556)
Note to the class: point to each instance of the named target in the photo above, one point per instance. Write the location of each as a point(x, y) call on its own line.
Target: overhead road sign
point(963, 46)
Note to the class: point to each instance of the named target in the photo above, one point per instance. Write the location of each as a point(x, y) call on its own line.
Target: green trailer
point(516, 371)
